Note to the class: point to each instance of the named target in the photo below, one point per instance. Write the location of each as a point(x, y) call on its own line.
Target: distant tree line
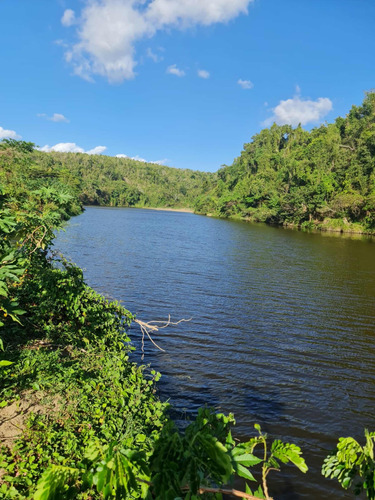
point(123, 182)
point(323, 178)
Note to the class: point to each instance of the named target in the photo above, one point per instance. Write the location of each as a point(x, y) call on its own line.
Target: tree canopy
point(323, 178)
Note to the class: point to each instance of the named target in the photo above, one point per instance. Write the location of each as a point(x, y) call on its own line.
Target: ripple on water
point(283, 328)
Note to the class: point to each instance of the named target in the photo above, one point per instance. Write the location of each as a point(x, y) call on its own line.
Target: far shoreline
point(185, 210)
point(318, 229)
point(167, 209)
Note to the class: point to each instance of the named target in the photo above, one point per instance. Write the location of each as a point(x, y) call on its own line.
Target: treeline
point(123, 182)
point(324, 178)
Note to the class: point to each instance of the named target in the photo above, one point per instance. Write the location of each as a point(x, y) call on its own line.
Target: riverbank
point(329, 226)
point(167, 209)
point(79, 420)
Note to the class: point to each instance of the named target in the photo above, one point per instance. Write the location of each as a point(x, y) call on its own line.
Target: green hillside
point(105, 180)
point(319, 179)
point(324, 178)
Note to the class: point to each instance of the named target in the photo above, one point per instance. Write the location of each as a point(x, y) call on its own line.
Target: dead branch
point(232, 492)
point(204, 489)
point(33, 238)
point(345, 146)
point(152, 326)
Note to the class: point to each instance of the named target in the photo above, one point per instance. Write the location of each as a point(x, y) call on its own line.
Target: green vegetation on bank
point(78, 418)
point(323, 179)
point(123, 182)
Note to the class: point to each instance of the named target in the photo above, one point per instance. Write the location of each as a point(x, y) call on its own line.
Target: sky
point(183, 83)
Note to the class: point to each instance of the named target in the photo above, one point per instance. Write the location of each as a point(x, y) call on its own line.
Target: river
point(282, 330)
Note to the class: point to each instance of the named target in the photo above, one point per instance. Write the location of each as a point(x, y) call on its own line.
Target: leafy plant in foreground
point(195, 464)
point(353, 465)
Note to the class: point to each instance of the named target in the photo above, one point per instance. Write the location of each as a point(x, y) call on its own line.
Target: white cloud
point(68, 18)
point(61, 43)
point(299, 110)
point(56, 117)
point(109, 29)
point(173, 70)
point(155, 57)
point(188, 13)
point(63, 147)
point(107, 33)
point(245, 84)
point(138, 158)
point(202, 73)
point(71, 147)
point(98, 150)
point(8, 134)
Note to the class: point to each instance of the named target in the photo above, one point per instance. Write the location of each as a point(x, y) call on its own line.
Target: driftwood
point(155, 326)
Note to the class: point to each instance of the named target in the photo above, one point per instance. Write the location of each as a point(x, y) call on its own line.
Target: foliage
point(115, 182)
point(310, 179)
point(76, 359)
point(353, 465)
point(94, 427)
point(189, 465)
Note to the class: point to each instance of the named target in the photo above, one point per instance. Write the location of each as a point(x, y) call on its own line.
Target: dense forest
point(109, 181)
point(324, 178)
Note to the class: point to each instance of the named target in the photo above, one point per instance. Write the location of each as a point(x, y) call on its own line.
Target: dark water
point(283, 328)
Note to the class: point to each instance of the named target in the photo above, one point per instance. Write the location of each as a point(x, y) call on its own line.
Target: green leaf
point(287, 452)
point(247, 459)
point(55, 482)
point(243, 472)
point(4, 362)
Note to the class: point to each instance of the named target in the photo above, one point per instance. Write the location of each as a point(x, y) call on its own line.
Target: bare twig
point(152, 326)
point(32, 237)
point(169, 322)
point(232, 492)
point(204, 489)
point(345, 146)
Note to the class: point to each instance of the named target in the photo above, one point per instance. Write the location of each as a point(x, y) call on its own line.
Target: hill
point(323, 179)
point(109, 181)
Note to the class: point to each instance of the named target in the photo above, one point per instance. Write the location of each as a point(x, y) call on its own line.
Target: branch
point(345, 146)
point(146, 328)
point(233, 492)
point(32, 237)
point(204, 489)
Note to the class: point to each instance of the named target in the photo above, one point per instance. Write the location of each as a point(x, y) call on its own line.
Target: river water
point(282, 330)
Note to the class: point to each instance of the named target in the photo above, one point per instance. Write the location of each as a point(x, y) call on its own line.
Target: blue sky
point(185, 83)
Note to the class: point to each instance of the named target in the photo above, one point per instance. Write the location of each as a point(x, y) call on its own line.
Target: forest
point(123, 182)
point(88, 423)
point(321, 179)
